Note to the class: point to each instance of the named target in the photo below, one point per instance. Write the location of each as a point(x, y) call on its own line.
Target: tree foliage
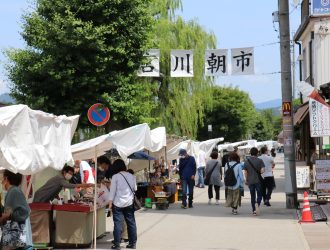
point(78, 50)
point(181, 101)
point(232, 115)
point(263, 129)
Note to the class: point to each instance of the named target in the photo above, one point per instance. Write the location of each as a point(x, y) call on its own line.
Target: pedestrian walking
point(268, 176)
point(123, 185)
point(234, 181)
point(214, 170)
point(225, 160)
point(187, 172)
point(253, 168)
point(201, 169)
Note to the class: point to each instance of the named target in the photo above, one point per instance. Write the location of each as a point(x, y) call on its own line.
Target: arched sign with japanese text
point(98, 114)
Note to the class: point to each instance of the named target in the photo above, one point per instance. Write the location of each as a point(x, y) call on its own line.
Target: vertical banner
point(216, 62)
point(151, 68)
point(319, 116)
point(182, 63)
point(242, 61)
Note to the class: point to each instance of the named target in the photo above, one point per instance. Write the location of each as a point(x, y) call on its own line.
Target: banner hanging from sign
point(320, 7)
point(216, 62)
point(242, 61)
point(151, 68)
point(182, 62)
point(319, 115)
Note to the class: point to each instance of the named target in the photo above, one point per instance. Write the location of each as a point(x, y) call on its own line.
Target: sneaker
point(234, 212)
point(258, 209)
point(254, 213)
point(115, 247)
point(268, 204)
point(217, 202)
point(210, 201)
point(183, 206)
point(131, 246)
point(122, 241)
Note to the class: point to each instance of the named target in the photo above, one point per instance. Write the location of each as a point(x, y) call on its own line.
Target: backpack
point(230, 178)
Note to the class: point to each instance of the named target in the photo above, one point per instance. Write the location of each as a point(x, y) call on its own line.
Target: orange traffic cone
point(306, 215)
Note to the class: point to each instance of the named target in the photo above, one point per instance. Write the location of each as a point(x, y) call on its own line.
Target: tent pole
point(149, 170)
point(166, 164)
point(29, 187)
point(95, 197)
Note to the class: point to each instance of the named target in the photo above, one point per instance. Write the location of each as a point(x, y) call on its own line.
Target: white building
point(313, 38)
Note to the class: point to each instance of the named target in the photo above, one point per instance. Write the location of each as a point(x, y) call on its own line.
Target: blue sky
point(236, 24)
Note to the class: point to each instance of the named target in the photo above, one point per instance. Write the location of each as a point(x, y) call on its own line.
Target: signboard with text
point(302, 176)
point(320, 7)
point(319, 116)
point(286, 109)
point(322, 177)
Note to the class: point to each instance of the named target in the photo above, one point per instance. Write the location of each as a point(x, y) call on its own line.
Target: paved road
point(214, 227)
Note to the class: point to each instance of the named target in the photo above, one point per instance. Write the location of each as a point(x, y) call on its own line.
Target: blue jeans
point(187, 184)
point(253, 189)
point(201, 171)
point(119, 215)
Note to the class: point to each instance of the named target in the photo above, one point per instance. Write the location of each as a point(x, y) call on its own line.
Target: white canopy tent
point(235, 144)
point(193, 147)
point(31, 140)
point(269, 144)
point(126, 141)
point(158, 148)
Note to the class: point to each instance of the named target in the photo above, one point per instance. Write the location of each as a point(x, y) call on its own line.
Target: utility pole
point(293, 69)
point(287, 110)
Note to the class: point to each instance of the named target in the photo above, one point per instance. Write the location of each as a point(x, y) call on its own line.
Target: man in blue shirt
point(187, 171)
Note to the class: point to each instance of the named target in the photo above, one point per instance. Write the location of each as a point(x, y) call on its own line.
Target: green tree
point(263, 128)
point(232, 115)
point(181, 101)
point(77, 51)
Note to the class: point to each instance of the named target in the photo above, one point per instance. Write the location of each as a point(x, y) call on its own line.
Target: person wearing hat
point(187, 171)
point(225, 160)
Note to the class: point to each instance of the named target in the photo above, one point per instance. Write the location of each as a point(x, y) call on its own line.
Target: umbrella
point(140, 155)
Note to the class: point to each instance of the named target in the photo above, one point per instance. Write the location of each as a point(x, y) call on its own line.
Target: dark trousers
point(268, 186)
point(190, 185)
point(255, 188)
point(119, 215)
point(217, 192)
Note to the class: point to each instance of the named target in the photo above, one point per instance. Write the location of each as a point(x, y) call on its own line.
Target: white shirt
point(120, 193)
point(84, 166)
point(201, 159)
point(269, 162)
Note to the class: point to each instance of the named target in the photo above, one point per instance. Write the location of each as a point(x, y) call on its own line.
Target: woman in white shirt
point(123, 186)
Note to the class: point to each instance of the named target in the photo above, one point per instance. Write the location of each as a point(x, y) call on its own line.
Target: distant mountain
point(5, 98)
point(269, 104)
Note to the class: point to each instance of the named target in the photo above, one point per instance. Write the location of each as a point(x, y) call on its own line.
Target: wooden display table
point(74, 224)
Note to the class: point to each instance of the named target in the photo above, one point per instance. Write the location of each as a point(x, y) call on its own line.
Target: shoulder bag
point(208, 176)
point(136, 203)
point(13, 235)
point(261, 180)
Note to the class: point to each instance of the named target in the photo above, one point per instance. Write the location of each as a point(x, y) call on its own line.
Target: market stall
point(32, 141)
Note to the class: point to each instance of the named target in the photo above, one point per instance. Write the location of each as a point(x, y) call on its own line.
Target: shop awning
point(300, 114)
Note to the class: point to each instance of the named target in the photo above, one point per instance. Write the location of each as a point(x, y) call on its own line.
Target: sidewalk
point(214, 227)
